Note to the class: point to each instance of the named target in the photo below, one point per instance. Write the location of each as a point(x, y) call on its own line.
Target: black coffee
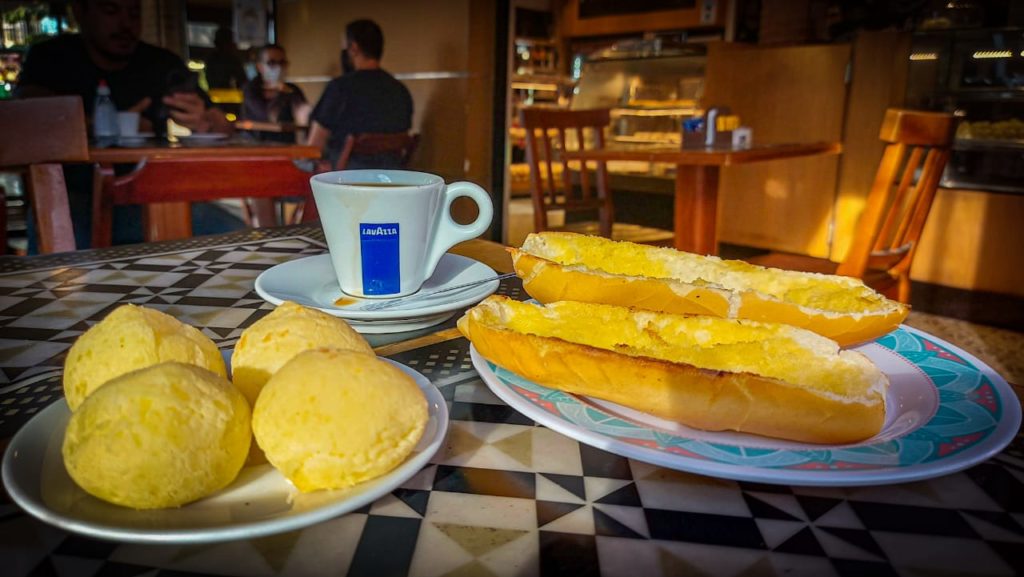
point(379, 184)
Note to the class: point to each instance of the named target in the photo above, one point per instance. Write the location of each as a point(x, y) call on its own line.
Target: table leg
point(260, 212)
point(696, 209)
point(167, 221)
point(102, 206)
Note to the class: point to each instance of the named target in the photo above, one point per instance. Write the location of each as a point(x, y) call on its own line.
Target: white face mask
point(272, 74)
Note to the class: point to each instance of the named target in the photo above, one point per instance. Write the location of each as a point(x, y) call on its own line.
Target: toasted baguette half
point(704, 372)
point(558, 266)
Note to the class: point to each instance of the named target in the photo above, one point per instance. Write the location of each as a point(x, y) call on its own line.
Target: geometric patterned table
point(503, 496)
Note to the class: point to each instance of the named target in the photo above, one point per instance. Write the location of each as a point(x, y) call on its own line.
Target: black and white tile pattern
point(503, 496)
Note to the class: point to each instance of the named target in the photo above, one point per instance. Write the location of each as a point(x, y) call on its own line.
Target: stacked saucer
point(311, 282)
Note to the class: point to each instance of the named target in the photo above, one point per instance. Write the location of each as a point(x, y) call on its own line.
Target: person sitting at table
point(224, 68)
point(141, 78)
point(346, 62)
point(108, 48)
point(268, 98)
point(366, 100)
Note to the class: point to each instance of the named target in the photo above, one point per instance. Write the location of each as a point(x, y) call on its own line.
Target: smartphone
point(181, 81)
point(177, 82)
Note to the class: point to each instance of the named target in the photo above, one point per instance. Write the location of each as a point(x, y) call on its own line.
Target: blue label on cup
point(378, 246)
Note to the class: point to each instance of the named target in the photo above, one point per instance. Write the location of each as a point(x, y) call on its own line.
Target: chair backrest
point(187, 180)
point(550, 131)
point(901, 197)
point(38, 134)
point(396, 146)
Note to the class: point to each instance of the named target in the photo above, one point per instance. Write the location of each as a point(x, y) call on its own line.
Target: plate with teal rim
point(946, 411)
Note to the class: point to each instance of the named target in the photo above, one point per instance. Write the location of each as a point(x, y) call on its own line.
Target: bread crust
point(548, 281)
point(699, 398)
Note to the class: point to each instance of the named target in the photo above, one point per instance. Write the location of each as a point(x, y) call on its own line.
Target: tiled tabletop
point(503, 496)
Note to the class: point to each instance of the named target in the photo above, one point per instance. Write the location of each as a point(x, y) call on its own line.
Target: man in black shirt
point(367, 99)
point(141, 76)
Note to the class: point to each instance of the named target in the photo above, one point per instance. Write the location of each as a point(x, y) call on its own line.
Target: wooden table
point(169, 216)
point(234, 146)
point(264, 126)
point(696, 189)
point(503, 496)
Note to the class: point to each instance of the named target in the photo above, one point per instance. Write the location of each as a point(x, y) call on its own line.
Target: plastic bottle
point(104, 114)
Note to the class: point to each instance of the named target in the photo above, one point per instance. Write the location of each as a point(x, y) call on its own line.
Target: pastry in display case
point(650, 86)
point(650, 90)
point(979, 75)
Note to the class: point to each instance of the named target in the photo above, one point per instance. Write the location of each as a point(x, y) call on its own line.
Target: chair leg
point(260, 212)
point(48, 194)
point(3, 220)
point(605, 217)
point(166, 221)
point(540, 217)
point(102, 206)
point(903, 294)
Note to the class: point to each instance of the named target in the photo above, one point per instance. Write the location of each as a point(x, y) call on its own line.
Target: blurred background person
point(366, 100)
point(268, 98)
point(346, 62)
point(108, 48)
point(224, 68)
point(141, 77)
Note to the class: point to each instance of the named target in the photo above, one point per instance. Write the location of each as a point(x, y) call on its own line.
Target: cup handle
point(449, 233)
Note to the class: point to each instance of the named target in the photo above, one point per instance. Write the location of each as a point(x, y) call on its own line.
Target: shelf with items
point(977, 74)
point(650, 88)
point(535, 56)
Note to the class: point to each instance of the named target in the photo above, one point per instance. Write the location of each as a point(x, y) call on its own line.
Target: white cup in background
point(387, 229)
point(128, 123)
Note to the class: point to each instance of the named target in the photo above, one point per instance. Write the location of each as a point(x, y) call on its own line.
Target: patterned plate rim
point(938, 447)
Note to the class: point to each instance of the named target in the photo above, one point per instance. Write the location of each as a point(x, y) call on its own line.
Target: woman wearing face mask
point(267, 98)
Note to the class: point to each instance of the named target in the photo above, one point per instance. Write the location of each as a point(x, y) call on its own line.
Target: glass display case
point(978, 75)
point(650, 90)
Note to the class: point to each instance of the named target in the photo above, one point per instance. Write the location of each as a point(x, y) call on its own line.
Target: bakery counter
point(504, 495)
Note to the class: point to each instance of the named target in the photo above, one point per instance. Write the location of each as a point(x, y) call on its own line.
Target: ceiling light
point(980, 54)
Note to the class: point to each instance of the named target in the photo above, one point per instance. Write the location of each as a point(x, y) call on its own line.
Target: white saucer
point(381, 326)
point(311, 282)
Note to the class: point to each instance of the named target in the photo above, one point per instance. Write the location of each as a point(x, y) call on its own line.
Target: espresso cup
point(387, 229)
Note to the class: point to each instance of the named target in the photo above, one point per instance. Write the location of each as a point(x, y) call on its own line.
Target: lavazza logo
point(379, 230)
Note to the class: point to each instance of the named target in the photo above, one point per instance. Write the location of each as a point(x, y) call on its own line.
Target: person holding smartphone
point(143, 78)
point(139, 74)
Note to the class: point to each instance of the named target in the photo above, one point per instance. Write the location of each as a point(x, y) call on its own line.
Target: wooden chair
point(897, 206)
point(549, 131)
point(38, 134)
point(169, 186)
point(401, 145)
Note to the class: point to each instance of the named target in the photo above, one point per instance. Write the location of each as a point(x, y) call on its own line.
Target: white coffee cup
point(128, 123)
point(387, 229)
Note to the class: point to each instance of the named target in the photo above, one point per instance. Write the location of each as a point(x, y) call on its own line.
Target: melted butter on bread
point(831, 293)
point(770, 350)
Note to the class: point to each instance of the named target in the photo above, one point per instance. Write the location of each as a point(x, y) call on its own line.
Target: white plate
point(946, 411)
point(311, 282)
point(203, 136)
point(259, 502)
